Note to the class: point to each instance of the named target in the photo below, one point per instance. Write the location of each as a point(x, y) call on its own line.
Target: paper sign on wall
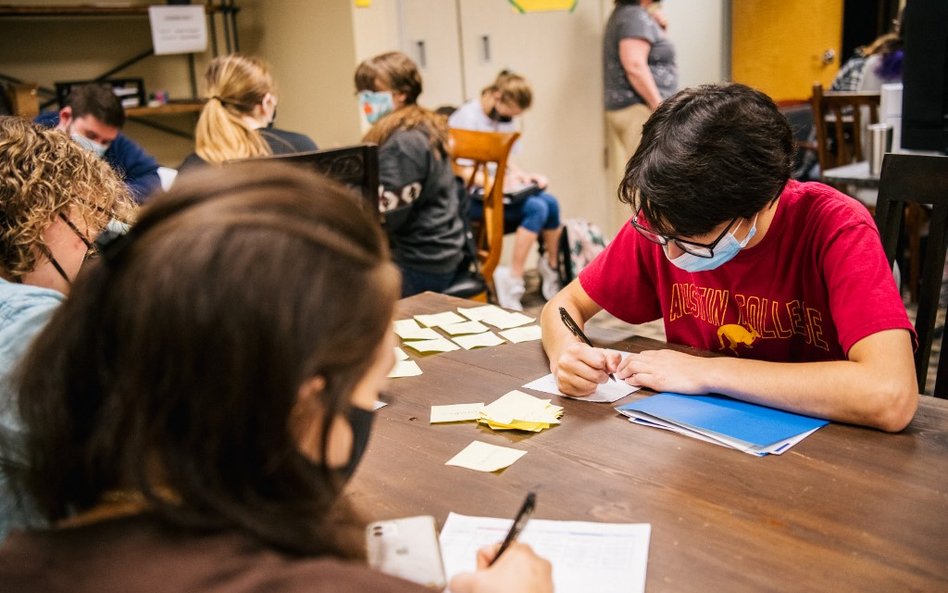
point(178, 29)
point(543, 5)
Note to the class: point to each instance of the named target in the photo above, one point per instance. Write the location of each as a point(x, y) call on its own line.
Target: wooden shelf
point(167, 109)
point(89, 10)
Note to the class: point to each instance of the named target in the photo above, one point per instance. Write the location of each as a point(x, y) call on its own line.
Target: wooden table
point(847, 509)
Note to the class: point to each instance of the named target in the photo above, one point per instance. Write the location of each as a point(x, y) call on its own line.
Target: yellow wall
point(778, 46)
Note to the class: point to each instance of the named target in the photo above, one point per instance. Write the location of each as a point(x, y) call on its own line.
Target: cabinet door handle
point(485, 48)
point(422, 54)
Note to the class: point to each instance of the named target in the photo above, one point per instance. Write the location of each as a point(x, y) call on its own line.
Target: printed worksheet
point(586, 556)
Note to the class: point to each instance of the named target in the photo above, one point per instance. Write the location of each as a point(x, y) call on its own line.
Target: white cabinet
point(461, 45)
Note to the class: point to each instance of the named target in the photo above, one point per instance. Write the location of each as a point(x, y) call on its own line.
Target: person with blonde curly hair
point(237, 120)
point(55, 198)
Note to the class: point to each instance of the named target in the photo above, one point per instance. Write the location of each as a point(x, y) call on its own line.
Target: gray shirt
point(420, 199)
point(633, 22)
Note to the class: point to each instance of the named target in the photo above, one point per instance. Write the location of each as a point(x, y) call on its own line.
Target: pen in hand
point(523, 515)
point(571, 324)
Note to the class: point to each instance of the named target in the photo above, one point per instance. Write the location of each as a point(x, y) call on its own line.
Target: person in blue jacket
point(93, 117)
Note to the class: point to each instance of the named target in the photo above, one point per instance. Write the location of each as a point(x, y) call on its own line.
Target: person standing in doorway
point(639, 72)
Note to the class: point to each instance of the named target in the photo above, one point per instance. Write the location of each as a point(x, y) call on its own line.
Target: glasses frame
point(693, 247)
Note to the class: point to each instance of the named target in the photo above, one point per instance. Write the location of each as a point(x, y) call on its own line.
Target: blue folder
point(757, 425)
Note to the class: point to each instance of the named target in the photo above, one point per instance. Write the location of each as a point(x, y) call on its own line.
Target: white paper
point(607, 392)
point(507, 319)
point(587, 557)
point(400, 354)
point(178, 29)
point(464, 327)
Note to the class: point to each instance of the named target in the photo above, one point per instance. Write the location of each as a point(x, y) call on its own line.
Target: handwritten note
point(484, 457)
point(456, 412)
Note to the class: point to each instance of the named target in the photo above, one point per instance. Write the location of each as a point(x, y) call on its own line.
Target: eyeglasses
point(705, 250)
point(91, 249)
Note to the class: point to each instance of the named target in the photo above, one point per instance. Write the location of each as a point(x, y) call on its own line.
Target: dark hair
point(96, 100)
point(708, 154)
point(173, 370)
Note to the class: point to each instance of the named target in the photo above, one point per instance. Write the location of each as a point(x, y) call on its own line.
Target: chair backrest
point(355, 166)
point(916, 181)
point(480, 150)
point(839, 120)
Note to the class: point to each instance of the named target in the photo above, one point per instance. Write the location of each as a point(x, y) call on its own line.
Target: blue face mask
point(724, 251)
point(376, 105)
point(90, 145)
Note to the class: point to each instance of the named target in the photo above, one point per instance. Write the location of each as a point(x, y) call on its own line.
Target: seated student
point(237, 120)
point(414, 172)
point(55, 197)
point(270, 295)
point(93, 116)
point(505, 99)
point(788, 280)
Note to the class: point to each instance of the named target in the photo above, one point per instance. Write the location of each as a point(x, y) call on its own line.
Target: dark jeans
point(415, 281)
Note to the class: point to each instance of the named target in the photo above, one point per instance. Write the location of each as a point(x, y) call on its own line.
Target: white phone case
point(406, 548)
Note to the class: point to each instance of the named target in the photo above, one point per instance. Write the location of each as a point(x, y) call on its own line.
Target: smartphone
point(406, 548)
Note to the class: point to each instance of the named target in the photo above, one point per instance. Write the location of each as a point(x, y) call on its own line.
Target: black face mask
point(361, 422)
point(501, 119)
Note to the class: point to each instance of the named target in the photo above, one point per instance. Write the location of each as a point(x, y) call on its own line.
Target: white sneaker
point(508, 288)
point(551, 278)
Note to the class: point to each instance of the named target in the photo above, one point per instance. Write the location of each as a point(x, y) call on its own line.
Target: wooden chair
point(355, 166)
point(838, 118)
point(477, 151)
point(915, 181)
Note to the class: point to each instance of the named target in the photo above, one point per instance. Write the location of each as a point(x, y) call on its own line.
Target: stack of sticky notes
point(519, 411)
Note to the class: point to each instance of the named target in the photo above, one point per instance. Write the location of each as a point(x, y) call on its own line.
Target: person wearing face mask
point(418, 193)
point(93, 117)
point(787, 280)
point(199, 402)
point(237, 119)
point(54, 199)
point(538, 214)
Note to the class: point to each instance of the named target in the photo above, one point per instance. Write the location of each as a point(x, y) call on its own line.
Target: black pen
point(574, 327)
point(519, 523)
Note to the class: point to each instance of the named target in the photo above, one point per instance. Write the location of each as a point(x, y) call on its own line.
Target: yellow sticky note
point(465, 327)
point(479, 313)
point(439, 319)
point(527, 333)
point(507, 319)
point(408, 329)
point(484, 457)
point(478, 340)
point(438, 345)
point(400, 354)
point(404, 368)
point(517, 410)
point(456, 412)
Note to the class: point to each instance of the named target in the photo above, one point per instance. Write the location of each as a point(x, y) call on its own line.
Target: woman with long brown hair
point(197, 404)
point(415, 173)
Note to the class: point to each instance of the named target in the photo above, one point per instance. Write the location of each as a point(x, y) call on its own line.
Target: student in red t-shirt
point(739, 259)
